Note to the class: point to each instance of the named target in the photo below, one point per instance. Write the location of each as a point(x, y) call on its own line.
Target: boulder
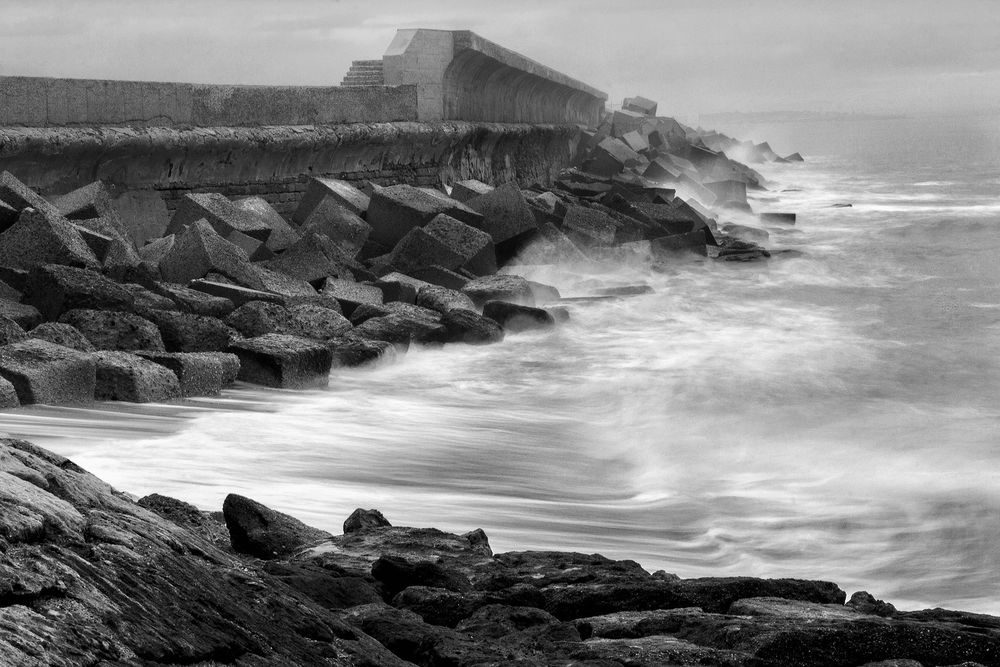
point(282, 234)
point(395, 573)
point(551, 246)
point(26, 316)
point(612, 156)
point(127, 377)
point(589, 227)
point(515, 317)
point(474, 246)
point(320, 189)
point(10, 331)
point(222, 215)
point(443, 299)
point(62, 334)
point(506, 216)
point(319, 323)
point(467, 326)
point(187, 332)
point(465, 190)
point(626, 120)
point(146, 300)
point(43, 372)
point(510, 288)
point(257, 530)
point(18, 196)
point(636, 141)
point(256, 318)
point(229, 363)
point(113, 330)
point(338, 223)
point(279, 360)
point(195, 301)
point(330, 589)
point(38, 238)
point(8, 395)
point(312, 258)
point(55, 289)
point(234, 294)
point(354, 351)
point(350, 294)
point(396, 290)
point(396, 209)
point(639, 104)
point(198, 250)
point(197, 374)
point(92, 202)
point(399, 329)
point(255, 249)
point(362, 519)
point(436, 274)
point(419, 249)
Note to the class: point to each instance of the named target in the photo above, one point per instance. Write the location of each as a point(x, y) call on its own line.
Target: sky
point(693, 57)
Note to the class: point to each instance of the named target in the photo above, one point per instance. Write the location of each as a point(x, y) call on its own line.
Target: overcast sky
point(698, 56)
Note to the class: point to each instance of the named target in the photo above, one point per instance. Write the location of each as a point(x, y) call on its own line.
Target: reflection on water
point(833, 414)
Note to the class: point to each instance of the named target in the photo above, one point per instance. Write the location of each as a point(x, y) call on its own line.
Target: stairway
point(364, 73)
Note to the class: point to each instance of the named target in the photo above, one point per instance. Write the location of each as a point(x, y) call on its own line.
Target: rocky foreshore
point(90, 577)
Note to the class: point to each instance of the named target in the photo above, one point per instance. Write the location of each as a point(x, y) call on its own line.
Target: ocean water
point(833, 413)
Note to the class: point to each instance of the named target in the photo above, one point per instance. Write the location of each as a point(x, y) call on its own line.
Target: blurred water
point(834, 414)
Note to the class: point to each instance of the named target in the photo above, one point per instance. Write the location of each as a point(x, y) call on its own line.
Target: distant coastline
point(788, 117)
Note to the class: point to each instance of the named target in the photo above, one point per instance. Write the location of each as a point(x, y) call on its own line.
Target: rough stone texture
point(26, 316)
point(505, 213)
point(362, 519)
point(419, 249)
point(355, 351)
point(62, 334)
point(465, 190)
point(54, 289)
point(282, 234)
point(277, 360)
point(319, 323)
point(396, 290)
point(195, 301)
point(187, 332)
point(235, 294)
point(398, 329)
point(312, 259)
point(229, 363)
point(256, 318)
point(220, 213)
point(515, 317)
point(351, 294)
point(510, 288)
point(43, 372)
point(467, 326)
point(38, 238)
point(198, 250)
point(19, 196)
point(474, 246)
point(396, 209)
point(259, 531)
point(111, 330)
point(127, 377)
point(146, 300)
point(443, 299)
point(436, 274)
point(8, 395)
point(320, 190)
point(197, 374)
point(589, 226)
point(10, 331)
point(340, 224)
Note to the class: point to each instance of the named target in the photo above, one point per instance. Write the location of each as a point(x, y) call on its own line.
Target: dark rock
point(729, 193)
point(38, 238)
point(623, 290)
point(256, 318)
point(19, 196)
point(278, 360)
point(443, 299)
point(612, 156)
point(350, 294)
point(197, 374)
point(505, 213)
point(665, 246)
point(257, 530)
point(746, 232)
point(234, 294)
point(467, 326)
point(396, 290)
point(282, 234)
point(127, 377)
point(328, 588)
point(366, 311)
point(146, 300)
point(395, 210)
point(8, 215)
point(312, 259)
point(362, 519)
point(187, 516)
point(54, 289)
point(515, 317)
point(321, 189)
point(319, 323)
point(588, 226)
point(187, 332)
point(62, 334)
point(111, 330)
point(26, 316)
point(510, 288)
point(228, 362)
point(551, 246)
point(10, 331)
point(543, 293)
point(340, 224)
point(8, 395)
point(465, 190)
point(438, 275)
point(865, 602)
point(794, 157)
point(219, 213)
point(496, 621)
point(654, 652)
point(398, 329)
point(98, 243)
point(439, 606)
point(354, 351)
point(419, 249)
point(43, 372)
point(395, 573)
point(255, 249)
point(199, 250)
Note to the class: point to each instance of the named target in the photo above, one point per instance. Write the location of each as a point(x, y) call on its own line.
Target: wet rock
point(506, 215)
point(8, 215)
point(278, 360)
point(465, 190)
point(187, 332)
point(395, 210)
point(320, 189)
point(355, 351)
point(318, 322)
point(419, 249)
point(187, 516)
point(735, 250)
point(328, 587)
point(340, 224)
point(10, 331)
point(43, 372)
point(229, 363)
point(510, 288)
point(282, 234)
point(746, 232)
point(496, 621)
point(38, 238)
point(62, 334)
point(54, 289)
point(110, 330)
point(256, 318)
point(655, 652)
point(234, 294)
point(588, 226)
point(467, 326)
point(257, 530)
point(362, 519)
point(439, 606)
point(443, 299)
point(197, 374)
point(395, 573)
point(8, 395)
point(127, 377)
point(26, 316)
point(398, 329)
point(729, 193)
point(350, 294)
point(515, 317)
point(199, 250)
point(222, 215)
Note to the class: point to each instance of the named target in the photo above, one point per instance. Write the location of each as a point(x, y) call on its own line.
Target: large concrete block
point(19, 196)
point(223, 215)
point(395, 210)
point(516, 317)
point(43, 372)
point(197, 374)
point(589, 226)
point(505, 213)
point(350, 294)
point(640, 105)
point(319, 323)
point(110, 330)
point(612, 156)
point(729, 192)
point(625, 120)
point(8, 395)
point(26, 316)
point(510, 288)
point(439, 275)
point(312, 259)
point(419, 249)
point(194, 301)
point(122, 376)
point(89, 202)
point(62, 334)
point(282, 234)
point(39, 238)
point(55, 289)
point(465, 190)
point(144, 213)
point(187, 332)
point(443, 299)
point(277, 360)
point(319, 189)
point(338, 223)
point(198, 250)
point(237, 294)
point(474, 245)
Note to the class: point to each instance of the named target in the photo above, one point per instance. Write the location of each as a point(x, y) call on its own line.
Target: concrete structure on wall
point(461, 76)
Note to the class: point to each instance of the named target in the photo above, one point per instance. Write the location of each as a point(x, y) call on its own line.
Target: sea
point(832, 413)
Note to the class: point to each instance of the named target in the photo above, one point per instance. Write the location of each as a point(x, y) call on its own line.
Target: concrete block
point(55, 289)
point(311, 259)
point(122, 376)
point(144, 214)
point(396, 209)
point(465, 190)
point(624, 121)
point(43, 372)
point(320, 189)
point(199, 249)
point(443, 299)
point(110, 330)
point(396, 290)
point(236, 294)
point(338, 223)
point(515, 317)
point(728, 192)
point(611, 156)
point(19, 196)
point(8, 395)
point(510, 288)
point(353, 351)
point(778, 218)
point(474, 246)
point(439, 275)
point(187, 332)
point(350, 294)
point(589, 226)
point(198, 374)
point(62, 334)
point(38, 238)
point(419, 249)
point(256, 318)
point(194, 301)
point(318, 322)
point(223, 215)
point(255, 249)
point(635, 141)
point(505, 213)
point(282, 234)
point(640, 105)
point(26, 315)
point(277, 360)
